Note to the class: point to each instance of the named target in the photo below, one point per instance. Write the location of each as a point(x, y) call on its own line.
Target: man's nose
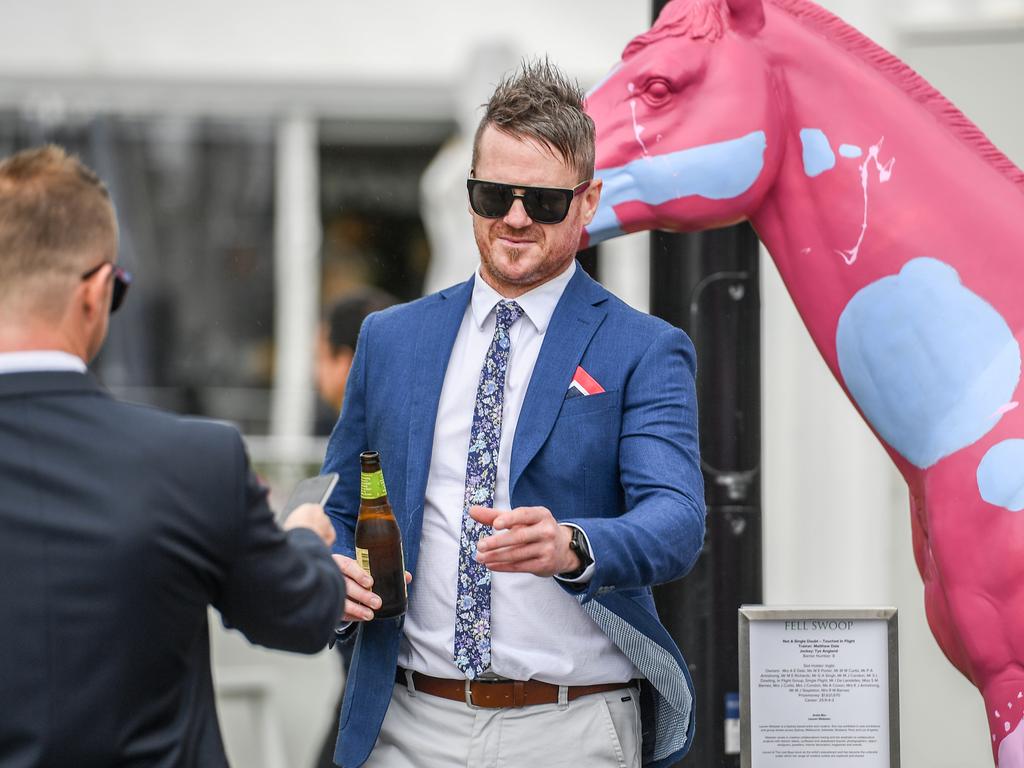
point(517, 216)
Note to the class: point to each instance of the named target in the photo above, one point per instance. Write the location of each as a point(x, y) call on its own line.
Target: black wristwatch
point(578, 544)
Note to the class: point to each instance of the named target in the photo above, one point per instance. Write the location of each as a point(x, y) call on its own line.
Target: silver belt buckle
point(484, 677)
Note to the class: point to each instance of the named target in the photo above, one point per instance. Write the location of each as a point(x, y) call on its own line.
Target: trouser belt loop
point(469, 693)
point(409, 682)
point(563, 697)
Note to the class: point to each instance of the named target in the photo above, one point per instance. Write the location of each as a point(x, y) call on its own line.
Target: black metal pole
point(707, 283)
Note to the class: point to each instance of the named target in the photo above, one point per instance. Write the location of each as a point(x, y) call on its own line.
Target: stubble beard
point(493, 254)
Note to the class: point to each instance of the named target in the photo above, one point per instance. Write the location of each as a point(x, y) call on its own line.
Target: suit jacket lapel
point(573, 324)
point(437, 332)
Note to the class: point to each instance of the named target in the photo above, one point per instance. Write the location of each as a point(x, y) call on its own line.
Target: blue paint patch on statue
point(818, 155)
point(720, 171)
point(851, 151)
point(1001, 475)
point(930, 364)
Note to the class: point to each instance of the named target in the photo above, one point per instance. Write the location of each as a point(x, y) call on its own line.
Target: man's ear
point(95, 293)
point(591, 199)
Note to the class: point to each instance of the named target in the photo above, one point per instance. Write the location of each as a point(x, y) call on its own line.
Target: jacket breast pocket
point(577, 406)
point(589, 428)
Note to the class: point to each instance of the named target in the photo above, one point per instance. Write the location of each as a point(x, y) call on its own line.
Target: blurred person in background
point(121, 524)
point(335, 348)
point(538, 438)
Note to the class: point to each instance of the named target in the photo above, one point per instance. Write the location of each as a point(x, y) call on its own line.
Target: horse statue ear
point(746, 16)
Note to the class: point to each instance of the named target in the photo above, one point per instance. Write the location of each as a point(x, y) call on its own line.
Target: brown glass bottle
point(379, 541)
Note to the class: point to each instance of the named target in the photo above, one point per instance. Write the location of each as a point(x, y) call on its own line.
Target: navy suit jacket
point(622, 464)
point(119, 526)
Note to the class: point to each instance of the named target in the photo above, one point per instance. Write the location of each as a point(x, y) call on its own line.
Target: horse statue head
point(898, 229)
point(690, 123)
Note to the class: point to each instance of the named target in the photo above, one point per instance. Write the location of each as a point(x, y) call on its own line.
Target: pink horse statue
point(899, 232)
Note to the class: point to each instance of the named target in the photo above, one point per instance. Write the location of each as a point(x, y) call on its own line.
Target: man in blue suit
point(539, 443)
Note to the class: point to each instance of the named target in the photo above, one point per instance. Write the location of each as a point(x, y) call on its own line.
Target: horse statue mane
point(887, 213)
point(916, 87)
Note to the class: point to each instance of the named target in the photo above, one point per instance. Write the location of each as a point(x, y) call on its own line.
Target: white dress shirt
point(538, 631)
point(40, 360)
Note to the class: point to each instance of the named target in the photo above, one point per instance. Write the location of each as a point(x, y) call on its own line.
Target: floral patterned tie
point(473, 593)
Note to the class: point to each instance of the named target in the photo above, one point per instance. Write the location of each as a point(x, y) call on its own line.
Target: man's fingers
point(501, 519)
point(483, 515)
point(526, 525)
point(360, 603)
point(311, 516)
point(353, 570)
point(356, 612)
point(360, 594)
point(359, 600)
point(506, 539)
point(515, 554)
point(520, 516)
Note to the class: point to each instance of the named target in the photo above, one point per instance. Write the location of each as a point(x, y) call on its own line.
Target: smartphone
point(312, 490)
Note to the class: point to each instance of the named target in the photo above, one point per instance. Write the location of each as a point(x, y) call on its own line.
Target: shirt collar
point(538, 303)
point(40, 360)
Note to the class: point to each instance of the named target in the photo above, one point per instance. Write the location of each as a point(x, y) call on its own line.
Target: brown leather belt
point(494, 694)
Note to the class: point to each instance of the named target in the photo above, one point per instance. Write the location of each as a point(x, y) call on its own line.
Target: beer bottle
point(379, 541)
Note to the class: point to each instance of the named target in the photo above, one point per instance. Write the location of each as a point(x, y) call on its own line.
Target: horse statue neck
point(898, 229)
point(878, 169)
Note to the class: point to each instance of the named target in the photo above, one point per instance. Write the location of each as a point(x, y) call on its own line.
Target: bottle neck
point(371, 488)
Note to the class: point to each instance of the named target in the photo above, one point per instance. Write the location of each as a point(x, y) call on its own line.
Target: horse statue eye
point(657, 92)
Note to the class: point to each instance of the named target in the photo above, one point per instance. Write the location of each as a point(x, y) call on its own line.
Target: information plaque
point(819, 687)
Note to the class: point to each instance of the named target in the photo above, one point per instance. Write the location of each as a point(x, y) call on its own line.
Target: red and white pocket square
point(583, 384)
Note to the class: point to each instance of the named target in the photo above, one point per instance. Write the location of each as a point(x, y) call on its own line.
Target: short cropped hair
point(55, 216)
point(540, 102)
point(343, 319)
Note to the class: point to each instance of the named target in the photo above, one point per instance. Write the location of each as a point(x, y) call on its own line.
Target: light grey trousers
point(423, 731)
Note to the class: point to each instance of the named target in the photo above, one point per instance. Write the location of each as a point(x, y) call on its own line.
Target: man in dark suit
point(539, 442)
point(120, 524)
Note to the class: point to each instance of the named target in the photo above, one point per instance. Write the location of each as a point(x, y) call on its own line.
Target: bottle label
point(372, 485)
point(363, 558)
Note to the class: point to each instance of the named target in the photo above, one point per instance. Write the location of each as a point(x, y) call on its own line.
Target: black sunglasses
point(122, 279)
point(545, 205)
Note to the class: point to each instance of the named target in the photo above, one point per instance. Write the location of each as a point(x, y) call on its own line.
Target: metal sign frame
point(761, 613)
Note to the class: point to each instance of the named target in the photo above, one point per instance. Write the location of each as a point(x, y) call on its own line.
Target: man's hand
point(525, 540)
point(311, 516)
point(360, 601)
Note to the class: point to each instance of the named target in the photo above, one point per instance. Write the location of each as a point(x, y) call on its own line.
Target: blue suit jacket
point(622, 464)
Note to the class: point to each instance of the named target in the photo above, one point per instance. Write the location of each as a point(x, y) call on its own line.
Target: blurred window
point(372, 231)
point(195, 203)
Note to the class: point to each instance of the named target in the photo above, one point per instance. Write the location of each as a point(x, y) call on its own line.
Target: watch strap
point(578, 544)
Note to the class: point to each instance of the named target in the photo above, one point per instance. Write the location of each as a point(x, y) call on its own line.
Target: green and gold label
point(372, 485)
point(363, 558)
